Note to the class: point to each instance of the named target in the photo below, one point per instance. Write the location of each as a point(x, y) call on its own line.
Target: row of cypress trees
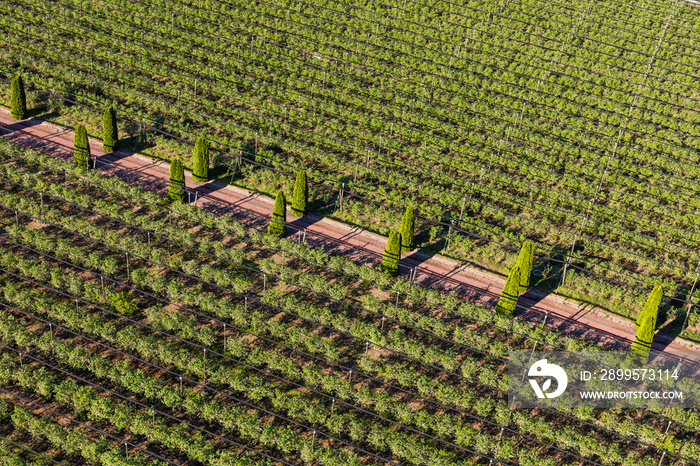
point(398, 242)
point(300, 200)
point(518, 281)
point(110, 137)
point(18, 110)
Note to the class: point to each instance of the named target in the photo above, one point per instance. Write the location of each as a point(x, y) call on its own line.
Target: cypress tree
point(646, 325)
point(407, 230)
point(110, 137)
point(278, 222)
point(509, 296)
point(525, 258)
point(392, 254)
point(18, 99)
point(301, 194)
point(81, 155)
point(200, 168)
point(176, 185)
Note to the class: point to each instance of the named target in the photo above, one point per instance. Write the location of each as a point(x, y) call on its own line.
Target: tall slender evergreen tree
point(525, 258)
point(300, 198)
point(18, 99)
point(176, 185)
point(278, 222)
point(646, 326)
point(200, 168)
point(407, 230)
point(110, 136)
point(81, 155)
point(509, 296)
point(392, 254)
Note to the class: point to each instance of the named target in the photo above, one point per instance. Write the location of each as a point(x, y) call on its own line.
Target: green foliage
point(81, 155)
point(300, 198)
point(176, 185)
point(646, 325)
point(392, 254)
point(110, 137)
point(278, 222)
point(509, 296)
point(407, 230)
point(525, 258)
point(18, 99)
point(122, 303)
point(200, 166)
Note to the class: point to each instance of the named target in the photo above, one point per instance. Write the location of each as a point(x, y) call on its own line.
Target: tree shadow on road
point(303, 222)
point(20, 125)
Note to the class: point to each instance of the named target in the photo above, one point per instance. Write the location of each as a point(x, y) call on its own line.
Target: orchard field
point(134, 331)
point(569, 123)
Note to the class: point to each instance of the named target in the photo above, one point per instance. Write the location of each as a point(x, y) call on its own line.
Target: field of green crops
point(133, 332)
point(570, 123)
point(136, 334)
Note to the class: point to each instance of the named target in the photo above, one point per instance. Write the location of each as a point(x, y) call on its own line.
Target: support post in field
point(690, 297)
